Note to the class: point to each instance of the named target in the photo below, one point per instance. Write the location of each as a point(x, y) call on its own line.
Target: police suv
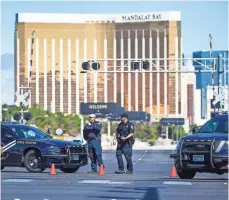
point(206, 150)
point(27, 146)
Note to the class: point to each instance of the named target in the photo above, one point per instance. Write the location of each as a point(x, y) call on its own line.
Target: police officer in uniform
point(125, 141)
point(92, 134)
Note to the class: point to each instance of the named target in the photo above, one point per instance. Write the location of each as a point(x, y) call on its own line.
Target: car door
point(8, 143)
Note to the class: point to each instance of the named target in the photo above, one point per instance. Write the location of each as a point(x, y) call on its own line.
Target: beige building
point(64, 41)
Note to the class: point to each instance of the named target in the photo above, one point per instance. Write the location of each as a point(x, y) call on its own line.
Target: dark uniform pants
point(127, 151)
point(95, 153)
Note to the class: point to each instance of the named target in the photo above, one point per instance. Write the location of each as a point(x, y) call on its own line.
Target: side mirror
point(8, 136)
point(195, 130)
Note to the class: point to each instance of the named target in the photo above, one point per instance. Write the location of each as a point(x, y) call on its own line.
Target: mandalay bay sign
point(141, 17)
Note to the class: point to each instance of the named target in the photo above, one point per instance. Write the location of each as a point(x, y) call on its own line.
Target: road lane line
point(116, 182)
point(103, 182)
point(94, 181)
point(176, 183)
point(17, 180)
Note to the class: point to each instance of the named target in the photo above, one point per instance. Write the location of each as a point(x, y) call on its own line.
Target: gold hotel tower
point(64, 41)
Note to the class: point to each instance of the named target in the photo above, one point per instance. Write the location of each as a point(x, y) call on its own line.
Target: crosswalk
point(97, 181)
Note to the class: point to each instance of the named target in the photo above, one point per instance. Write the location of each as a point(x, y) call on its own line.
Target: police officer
point(125, 141)
point(92, 134)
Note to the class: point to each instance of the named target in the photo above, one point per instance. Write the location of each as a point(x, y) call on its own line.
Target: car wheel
point(2, 167)
point(69, 170)
point(33, 161)
point(186, 174)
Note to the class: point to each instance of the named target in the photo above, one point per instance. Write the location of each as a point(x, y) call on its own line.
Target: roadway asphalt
point(150, 181)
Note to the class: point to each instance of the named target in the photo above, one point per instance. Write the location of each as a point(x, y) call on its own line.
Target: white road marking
point(94, 181)
point(18, 180)
point(177, 183)
point(103, 182)
point(16, 199)
point(115, 182)
point(139, 158)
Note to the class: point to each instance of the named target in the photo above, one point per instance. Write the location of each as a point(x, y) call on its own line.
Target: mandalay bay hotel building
point(64, 41)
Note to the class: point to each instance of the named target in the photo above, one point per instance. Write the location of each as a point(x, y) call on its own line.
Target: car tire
point(29, 164)
point(2, 167)
point(186, 174)
point(69, 170)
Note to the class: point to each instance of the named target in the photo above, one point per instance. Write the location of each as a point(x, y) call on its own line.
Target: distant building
point(64, 41)
point(205, 79)
point(188, 87)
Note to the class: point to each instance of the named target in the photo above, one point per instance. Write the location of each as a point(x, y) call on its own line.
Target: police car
point(206, 150)
point(27, 146)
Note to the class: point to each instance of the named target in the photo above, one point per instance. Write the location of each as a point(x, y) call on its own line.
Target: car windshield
point(217, 125)
point(26, 132)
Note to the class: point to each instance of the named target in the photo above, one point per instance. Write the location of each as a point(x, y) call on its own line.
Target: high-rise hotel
point(64, 41)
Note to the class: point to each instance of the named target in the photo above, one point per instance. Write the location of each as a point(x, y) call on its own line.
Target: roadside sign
point(99, 108)
point(172, 121)
point(219, 98)
point(22, 98)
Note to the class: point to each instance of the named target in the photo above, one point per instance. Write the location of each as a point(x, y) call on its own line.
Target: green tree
point(178, 132)
point(146, 133)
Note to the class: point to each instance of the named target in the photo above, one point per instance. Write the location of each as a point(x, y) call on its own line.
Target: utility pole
point(220, 87)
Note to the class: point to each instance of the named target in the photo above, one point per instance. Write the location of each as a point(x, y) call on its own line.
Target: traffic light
point(139, 65)
point(86, 65)
point(95, 65)
point(17, 116)
point(27, 116)
point(135, 65)
point(145, 64)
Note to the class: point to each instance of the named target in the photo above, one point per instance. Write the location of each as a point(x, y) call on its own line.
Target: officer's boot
point(119, 171)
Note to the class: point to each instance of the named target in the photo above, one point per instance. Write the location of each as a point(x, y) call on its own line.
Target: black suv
point(29, 147)
point(206, 150)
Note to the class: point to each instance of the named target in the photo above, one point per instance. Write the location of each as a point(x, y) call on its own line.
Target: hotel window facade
point(60, 48)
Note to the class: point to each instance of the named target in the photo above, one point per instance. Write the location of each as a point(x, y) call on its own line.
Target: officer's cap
point(92, 116)
point(124, 115)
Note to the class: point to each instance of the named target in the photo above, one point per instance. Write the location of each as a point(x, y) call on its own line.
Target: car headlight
point(53, 149)
point(220, 145)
